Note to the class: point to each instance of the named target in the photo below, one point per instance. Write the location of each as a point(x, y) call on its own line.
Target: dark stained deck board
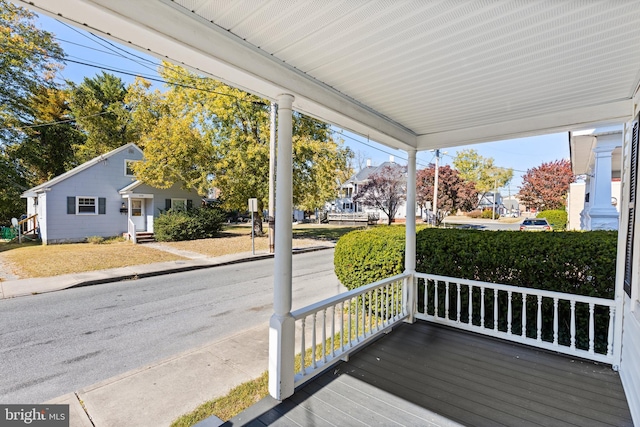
point(429, 375)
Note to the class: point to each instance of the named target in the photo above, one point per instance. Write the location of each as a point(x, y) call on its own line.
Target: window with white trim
point(128, 167)
point(87, 205)
point(178, 205)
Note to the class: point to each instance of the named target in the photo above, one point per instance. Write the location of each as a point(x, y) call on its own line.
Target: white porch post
point(282, 324)
point(602, 215)
point(410, 236)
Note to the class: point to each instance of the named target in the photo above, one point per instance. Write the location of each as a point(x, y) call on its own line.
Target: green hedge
point(557, 218)
point(198, 223)
point(572, 262)
point(569, 262)
point(365, 256)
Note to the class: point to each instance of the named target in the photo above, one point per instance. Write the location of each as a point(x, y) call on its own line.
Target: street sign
point(253, 205)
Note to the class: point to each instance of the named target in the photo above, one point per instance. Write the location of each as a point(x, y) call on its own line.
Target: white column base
point(281, 356)
point(603, 218)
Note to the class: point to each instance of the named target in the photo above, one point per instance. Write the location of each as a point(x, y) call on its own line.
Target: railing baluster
point(302, 346)
point(386, 306)
point(350, 340)
point(524, 315)
point(446, 300)
point(539, 320)
point(482, 306)
point(458, 302)
point(324, 335)
point(378, 311)
point(495, 310)
point(591, 329)
point(435, 298)
point(342, 326)
point(470, 308)
point(364, 317)
point(555, 321)
point(612, 313)
point(509, 312)
point(333, 331)
point(313, 342)
point(572, 331)
point(426, 296)
point(357, 318)
point(370, 312)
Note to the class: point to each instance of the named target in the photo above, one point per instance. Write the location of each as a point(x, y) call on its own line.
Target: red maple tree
point(453, 192)
point(546, 186)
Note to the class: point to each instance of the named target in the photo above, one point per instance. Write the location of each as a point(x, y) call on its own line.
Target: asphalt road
point(56, 343)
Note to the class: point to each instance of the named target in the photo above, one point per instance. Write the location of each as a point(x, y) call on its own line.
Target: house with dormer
point(103, 198)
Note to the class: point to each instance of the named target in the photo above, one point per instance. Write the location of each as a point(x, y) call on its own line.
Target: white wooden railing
point(579, 325)
point(326, 332)
point(131, 229)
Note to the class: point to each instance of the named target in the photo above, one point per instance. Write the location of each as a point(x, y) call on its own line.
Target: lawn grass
point(35, 260)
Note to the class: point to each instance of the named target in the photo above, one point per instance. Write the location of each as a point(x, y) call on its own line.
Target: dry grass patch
point(229, 243)
point(53, 260)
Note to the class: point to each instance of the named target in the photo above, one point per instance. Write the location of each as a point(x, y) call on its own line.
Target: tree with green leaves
point(29, 60)
point(481, 171)
point(98, 105)
point(207, 134)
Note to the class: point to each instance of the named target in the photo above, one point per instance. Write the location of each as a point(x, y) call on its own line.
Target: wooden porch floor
point(428, 375)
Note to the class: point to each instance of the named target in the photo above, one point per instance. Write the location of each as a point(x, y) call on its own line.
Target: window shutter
point(102, 205)
point(167, 204)
point(71, 205)
point(189, 204)
point(633, 183)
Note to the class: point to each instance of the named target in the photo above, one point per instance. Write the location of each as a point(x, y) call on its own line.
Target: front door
point(137, 214)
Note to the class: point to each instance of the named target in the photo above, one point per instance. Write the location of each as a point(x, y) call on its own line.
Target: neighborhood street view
point(307, 214)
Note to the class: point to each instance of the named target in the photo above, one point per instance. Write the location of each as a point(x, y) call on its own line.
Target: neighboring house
point(489, 200)
point(345, 203)
point(99, 197)
point(594, 203)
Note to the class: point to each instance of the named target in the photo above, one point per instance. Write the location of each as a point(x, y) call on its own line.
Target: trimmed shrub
point(489, 214)
point(199, 223)
point(365, 256)
point(571, 262)
point(557, 218)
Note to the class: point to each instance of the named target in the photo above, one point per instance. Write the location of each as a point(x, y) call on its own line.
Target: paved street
point(59, 342)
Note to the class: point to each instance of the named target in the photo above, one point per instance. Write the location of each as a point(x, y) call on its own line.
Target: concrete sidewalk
point(157, 394)
point(23, 287)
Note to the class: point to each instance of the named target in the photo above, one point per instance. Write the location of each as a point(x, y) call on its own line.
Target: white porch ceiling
point(422, 74)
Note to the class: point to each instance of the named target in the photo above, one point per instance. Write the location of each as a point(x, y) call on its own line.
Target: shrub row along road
point(60, 342)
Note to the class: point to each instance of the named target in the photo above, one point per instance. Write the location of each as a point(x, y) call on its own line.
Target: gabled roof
point(364, 174)
point(86, 165)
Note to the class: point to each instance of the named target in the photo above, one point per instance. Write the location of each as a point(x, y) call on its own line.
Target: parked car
point(535, 224)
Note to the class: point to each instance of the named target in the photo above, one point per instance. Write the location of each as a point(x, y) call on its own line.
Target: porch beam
point(282, 324)
point(560, 121)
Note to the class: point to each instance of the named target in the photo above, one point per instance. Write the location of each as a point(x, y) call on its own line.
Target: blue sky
point(80, 46)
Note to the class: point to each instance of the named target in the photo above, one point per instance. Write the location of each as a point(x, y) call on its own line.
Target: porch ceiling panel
point(413, 73)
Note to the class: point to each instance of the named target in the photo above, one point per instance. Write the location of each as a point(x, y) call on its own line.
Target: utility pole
point(272, 174)
point(495, 190)
point(435, 189)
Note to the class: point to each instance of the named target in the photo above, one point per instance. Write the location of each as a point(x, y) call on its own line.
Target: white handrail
point(461, 311)
point(131, 229)
point(334, 328)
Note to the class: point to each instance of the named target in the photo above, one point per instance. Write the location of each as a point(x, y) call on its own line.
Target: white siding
point(103, 179)
point(630, 364)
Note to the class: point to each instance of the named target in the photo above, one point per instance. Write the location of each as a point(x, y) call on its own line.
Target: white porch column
point(410, 235)
point(282, 325)
point(602, 215)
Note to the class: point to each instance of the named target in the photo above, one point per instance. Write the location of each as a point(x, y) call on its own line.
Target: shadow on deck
point(429, 375)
